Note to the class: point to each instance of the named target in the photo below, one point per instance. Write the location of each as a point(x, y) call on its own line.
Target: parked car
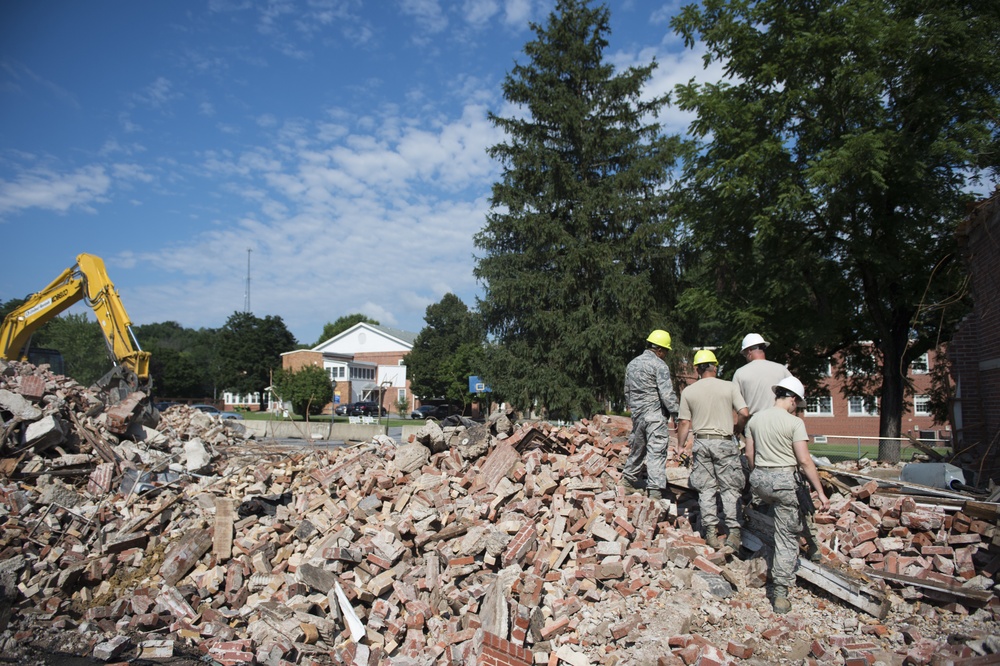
point(366, 408)
point(164, 406)
point(342, 410)
point(215, 411)
point(425, 412)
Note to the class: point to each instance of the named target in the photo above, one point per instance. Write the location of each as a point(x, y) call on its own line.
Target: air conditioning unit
point(819, 439)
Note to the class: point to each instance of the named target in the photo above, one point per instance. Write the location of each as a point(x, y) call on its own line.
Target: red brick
point(739, 650)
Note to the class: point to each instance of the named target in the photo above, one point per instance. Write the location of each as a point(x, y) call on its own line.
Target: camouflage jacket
point(648, 387)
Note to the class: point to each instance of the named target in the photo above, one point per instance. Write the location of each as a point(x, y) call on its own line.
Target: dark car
point(366, 408)
point(425, 412)
point(215, 411)
point(342, 410)
point(164, 406)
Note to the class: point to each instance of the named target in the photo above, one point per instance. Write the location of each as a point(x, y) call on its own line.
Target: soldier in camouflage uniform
point(707, 409)
point(777, 449)
point(650, 395)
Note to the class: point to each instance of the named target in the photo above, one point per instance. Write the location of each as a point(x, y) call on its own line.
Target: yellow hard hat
point(659, 338)
point(705, 356)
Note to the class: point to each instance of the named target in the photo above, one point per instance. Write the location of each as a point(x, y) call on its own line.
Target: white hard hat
point(791, 384)
point(752, 340)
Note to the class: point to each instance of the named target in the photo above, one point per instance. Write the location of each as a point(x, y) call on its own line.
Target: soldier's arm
point(742, 416)
point(666, 389)
point(749, 451)
point(808, 468)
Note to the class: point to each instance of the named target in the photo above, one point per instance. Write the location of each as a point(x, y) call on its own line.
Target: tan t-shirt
point(709, 404)
point(773, 431)
point(755, 379)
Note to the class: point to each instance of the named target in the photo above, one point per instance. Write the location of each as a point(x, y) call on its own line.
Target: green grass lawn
point(845, 451)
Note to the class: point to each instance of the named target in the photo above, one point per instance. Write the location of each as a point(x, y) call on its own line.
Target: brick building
point(975, 348)
point(832, 414)
point(366, 361)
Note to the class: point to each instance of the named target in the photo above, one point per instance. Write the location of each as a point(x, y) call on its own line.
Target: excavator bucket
point(128, 400)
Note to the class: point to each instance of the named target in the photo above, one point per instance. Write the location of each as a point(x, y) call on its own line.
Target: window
point(401, 395)
point(337, 372)
point(860, 406)
point(922, 405)
point(921, 365)
point(827, 370)
point(819, 439)
point(363, 373)
point(821, 405)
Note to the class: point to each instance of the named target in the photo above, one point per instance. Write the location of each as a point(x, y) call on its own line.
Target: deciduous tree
point(249, 349)
point(575, 265)
point(447, 350)
point(309, 389)
point(335, 328)
point(833, 165)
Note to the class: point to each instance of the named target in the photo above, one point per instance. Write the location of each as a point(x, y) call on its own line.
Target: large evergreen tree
point(575, 266)
point(833, 166)
point(447, 350)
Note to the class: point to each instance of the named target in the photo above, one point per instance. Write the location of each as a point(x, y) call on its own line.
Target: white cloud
point(49, 190)
point(479, 12)
point(427, 13)
point(517, 13)
point(158, 94)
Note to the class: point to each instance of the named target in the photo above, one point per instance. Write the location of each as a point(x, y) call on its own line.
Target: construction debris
point(491, 543)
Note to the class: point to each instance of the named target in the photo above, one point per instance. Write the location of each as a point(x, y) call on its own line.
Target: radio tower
point(246, 301)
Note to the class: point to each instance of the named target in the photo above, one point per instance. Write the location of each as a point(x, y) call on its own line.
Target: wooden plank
point(842, 587)
point(978, 596)
point(222, 542)
point(988, 511)
point(917, 444)
point(903, 486)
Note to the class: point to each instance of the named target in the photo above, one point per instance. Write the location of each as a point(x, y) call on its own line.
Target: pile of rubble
point(491, 543)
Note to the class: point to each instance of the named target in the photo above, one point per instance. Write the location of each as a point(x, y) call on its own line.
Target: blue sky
point(342, 141)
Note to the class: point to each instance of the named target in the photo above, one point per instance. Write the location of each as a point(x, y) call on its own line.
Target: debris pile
point(492, 543)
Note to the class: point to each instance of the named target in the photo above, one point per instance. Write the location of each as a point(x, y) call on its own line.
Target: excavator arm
point(87, 279)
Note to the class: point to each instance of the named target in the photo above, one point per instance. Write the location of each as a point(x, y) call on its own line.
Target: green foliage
point(446, 351)
point(182, 360)
point(248, 350)
point(309, 389)
point(576, 266)
point(81, 343)
point(403, 408)
point(6, 307)
point(333, 329)
point(832, 168)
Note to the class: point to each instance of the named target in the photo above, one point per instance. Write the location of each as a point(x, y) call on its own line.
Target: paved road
point(396, 433)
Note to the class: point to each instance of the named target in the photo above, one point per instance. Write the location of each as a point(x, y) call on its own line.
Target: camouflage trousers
point(647, 449)
point(716, 470)
point(776, 487)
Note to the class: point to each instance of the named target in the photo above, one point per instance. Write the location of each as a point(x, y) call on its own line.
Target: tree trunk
point(891, 409)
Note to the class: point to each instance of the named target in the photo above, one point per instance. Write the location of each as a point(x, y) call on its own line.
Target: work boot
point(629, 488)
point(781, 603)
point(712, 537)
point(733, 539)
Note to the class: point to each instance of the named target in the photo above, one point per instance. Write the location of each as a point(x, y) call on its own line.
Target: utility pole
point(246, 301)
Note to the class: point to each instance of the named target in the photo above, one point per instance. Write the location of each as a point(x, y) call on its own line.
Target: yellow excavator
point(87, 279)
